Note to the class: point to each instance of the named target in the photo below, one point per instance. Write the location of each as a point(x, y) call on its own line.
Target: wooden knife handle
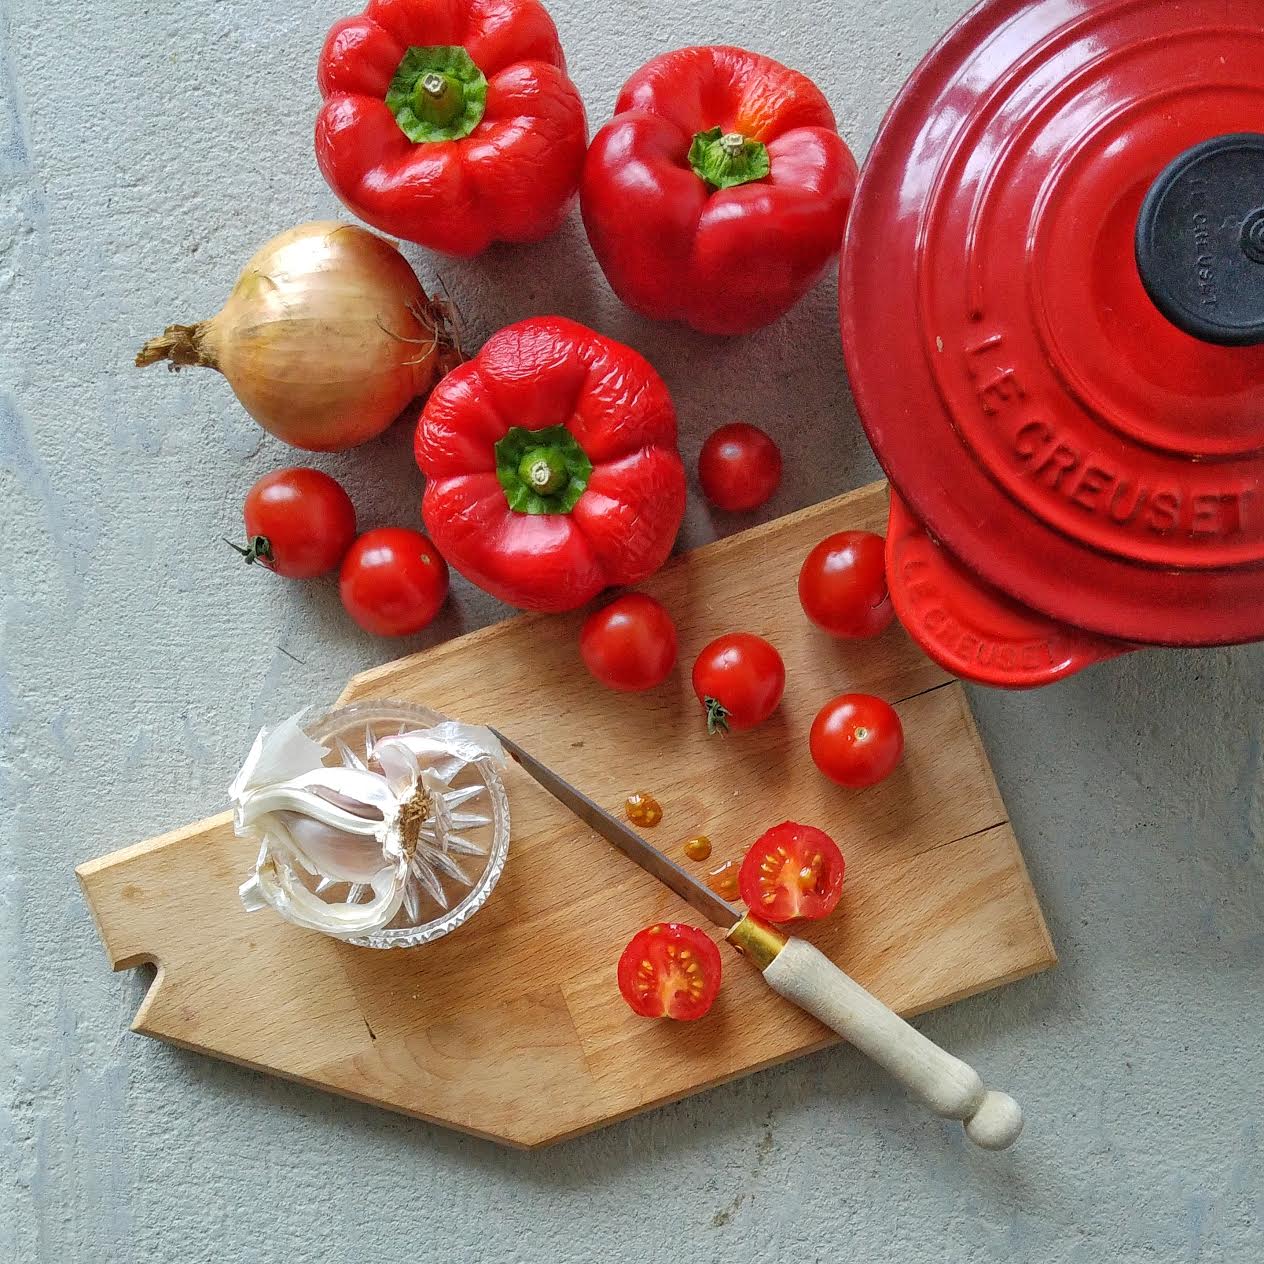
point(947, 1085)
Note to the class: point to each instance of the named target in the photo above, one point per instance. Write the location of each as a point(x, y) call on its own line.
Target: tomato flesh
point(629, 645)
point(857, 740)
point(670, 970)
point(843, 585)
point(739, 679)
point(792, 873)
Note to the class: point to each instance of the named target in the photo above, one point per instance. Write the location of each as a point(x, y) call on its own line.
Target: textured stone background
point(145, 150)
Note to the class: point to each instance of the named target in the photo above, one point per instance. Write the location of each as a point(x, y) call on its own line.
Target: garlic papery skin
point(347, 849)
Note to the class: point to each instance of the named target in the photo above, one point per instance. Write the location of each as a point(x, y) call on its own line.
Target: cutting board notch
point(511, 1028)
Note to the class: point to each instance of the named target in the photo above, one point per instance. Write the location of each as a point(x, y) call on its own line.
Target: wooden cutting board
point(512, 1027)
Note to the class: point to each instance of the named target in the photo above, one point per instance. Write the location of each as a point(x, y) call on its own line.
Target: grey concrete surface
point(145, 150)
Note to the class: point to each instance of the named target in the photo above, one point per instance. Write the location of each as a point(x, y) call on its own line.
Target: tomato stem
point(717, 716)
point(259, 549)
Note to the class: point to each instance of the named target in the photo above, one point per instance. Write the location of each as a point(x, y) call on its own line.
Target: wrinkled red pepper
point(451, 122)
point(551, 466)
point(719, 191)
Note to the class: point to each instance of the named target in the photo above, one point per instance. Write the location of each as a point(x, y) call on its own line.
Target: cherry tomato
point(739, 467)
point(299, 523)
point(843, 585)
point(629, 645)
point(670, 971)
point(739, 679)
point(857, 740)
point(792, 872)
point(393, 581)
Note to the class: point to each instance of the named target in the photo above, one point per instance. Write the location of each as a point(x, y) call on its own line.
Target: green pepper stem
point(437, 94)
point(543, 470)
point(726, 159)
point(438, 99)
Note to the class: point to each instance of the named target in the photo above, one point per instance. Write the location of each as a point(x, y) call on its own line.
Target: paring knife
point(802, 974)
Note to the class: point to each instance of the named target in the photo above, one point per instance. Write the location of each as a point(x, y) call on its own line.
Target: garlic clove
point(330, 852)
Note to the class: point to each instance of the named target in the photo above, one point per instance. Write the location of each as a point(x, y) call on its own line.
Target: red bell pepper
point(551, 466)
point(719, 191)
point(451, 122)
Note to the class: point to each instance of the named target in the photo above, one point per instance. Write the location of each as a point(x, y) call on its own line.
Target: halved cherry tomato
point(670, 971)
point(857, 740)
point(299, 523)
point(629, 645)
point(739, 467)
point(843, 585)
point(739, 679)
point(792, 873)
point(393, 581)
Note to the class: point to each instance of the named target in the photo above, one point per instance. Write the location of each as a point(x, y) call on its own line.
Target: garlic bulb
point(387, 826)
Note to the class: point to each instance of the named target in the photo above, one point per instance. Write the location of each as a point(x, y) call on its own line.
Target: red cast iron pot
point(1052, 298)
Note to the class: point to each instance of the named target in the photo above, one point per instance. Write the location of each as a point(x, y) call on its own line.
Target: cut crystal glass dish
point(381, 823)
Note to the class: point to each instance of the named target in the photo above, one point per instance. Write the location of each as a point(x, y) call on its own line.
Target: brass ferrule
point(757, 941)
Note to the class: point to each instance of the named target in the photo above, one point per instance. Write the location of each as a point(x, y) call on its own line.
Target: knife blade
point(800, 973)
point(694, 893)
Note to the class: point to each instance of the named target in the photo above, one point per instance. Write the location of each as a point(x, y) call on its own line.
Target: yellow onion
point(325, 339)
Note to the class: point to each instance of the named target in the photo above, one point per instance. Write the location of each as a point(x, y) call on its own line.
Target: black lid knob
point(1200, 241)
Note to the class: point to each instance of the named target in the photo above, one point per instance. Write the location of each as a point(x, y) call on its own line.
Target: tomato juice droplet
point(723, 879)
point(698, 848)
point(643, 809)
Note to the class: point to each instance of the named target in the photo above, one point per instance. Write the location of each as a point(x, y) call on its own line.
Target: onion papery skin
point(326, 338)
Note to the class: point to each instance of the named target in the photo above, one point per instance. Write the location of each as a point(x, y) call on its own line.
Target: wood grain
point(511, 1027)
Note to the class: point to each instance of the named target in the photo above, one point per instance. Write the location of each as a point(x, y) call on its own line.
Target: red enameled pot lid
point(1078, 436)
